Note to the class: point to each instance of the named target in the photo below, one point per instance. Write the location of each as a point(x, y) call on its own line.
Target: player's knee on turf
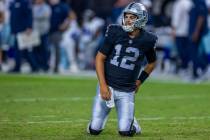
point(93, 131)
point(129, 133)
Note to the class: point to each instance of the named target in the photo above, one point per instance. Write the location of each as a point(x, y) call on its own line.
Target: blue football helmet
point(138, 10)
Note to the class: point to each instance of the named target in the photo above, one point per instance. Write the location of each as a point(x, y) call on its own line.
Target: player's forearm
point(150, 67)
point(145, 73)
point(199, 24)
point(100, 58)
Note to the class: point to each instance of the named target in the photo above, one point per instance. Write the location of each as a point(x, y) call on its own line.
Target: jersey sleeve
point(108, 41)
point(152, 41)
point(151, 53)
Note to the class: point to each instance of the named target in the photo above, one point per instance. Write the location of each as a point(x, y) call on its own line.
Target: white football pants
point(124, 103)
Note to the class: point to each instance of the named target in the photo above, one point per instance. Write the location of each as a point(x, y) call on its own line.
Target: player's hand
point(138, 84)
point(28, 31)
point(105, 92)
point(173, 34)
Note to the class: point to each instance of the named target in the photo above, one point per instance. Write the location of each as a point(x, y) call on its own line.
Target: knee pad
point(94, 132)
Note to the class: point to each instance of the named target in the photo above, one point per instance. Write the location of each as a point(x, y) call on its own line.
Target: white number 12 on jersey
point(124, 63)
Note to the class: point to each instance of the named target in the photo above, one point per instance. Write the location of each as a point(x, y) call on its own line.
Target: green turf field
point(59, 107)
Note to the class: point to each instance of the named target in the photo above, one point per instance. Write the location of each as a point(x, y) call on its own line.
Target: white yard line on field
point(47, 99)
point(80, 121)
point(45, 116)
point(43, 99)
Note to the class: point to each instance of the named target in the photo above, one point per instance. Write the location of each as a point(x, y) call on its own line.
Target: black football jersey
point(125, 56)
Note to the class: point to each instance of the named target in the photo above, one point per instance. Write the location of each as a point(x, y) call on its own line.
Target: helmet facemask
point(128, 28)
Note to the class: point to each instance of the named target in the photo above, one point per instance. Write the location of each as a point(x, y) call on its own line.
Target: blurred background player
point(180, 25)
point(91, 34)
point(41, 24)
point(69, 44)
point(21, 21)
point(60, 11)
point(197, 30)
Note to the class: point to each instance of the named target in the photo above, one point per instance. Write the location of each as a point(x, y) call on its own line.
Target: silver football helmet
point(140, 11)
